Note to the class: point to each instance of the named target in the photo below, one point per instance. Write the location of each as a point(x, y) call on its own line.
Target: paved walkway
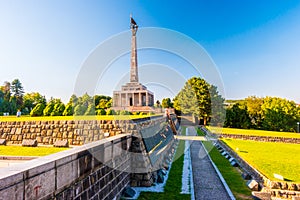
point(207, 184)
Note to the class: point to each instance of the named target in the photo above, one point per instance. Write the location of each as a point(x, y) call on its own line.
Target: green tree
point(166, 103)
point(68, 110)
point(194, 98)
point(279, 114)
point(18, 91)
point(58, 109)
point(80, 109)
point(101, 112)
point(254, 107)
point(90, 110)
point(30, 100)
point(37, 110)
point(218, 112)
point(237, 117)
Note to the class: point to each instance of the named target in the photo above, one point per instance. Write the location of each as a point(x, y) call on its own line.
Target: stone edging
point(261, 138)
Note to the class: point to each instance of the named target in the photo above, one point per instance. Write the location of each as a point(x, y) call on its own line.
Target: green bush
point(101, 112)
point(80, 109)
point(37, 110)
point(124, 112)
point(90, 110)
point(110, 112)
point(68, 110)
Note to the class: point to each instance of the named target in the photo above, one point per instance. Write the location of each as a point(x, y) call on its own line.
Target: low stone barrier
point(98, 170)
point(262, 138)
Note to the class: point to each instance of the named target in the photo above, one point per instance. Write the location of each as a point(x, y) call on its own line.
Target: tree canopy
point(200, 99)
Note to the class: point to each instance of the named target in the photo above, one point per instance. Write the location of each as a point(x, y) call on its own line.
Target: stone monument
point(133, 96)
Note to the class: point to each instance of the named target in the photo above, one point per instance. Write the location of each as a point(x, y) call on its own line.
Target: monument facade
point(133, 95)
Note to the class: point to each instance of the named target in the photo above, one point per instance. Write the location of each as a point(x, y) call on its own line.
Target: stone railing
point(98, 170)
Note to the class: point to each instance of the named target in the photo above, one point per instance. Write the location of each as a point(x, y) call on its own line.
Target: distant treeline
point(13, 98)
point(267, 113)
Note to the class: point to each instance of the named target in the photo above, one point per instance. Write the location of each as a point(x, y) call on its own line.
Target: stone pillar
point(126, 104)
point(132, 98)
point(140, 99)
point(147, 99)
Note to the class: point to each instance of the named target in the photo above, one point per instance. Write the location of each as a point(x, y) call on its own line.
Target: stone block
point(40, 186)
point(234, 164)
point(66, 174)
point(13, 192)
point(61, 143)
point(29, 143)
point(253, 185)
point(2, 142)
point(262, 195)
point(246, 176)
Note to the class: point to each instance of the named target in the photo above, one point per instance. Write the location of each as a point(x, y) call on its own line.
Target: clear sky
point(255, 44)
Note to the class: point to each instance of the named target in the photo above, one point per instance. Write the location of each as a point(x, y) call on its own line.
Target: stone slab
point(29, 143)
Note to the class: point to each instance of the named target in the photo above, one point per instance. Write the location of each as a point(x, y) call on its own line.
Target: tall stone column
point(147, 99)
point(133, 64)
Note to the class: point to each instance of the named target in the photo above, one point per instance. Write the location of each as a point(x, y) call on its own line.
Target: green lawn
point(220, 130)
point(28, 151)
point(64, 118)
point(269, 157)
point(173, 186)
point(231, 175)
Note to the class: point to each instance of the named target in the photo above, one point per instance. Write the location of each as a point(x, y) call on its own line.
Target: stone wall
point(77, 132)
point(262, 138)
point(98, 170)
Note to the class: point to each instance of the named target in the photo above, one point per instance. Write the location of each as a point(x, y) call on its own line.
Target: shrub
point(68, 110)
point(101, 112)
point(37, 110)
point(110, 112)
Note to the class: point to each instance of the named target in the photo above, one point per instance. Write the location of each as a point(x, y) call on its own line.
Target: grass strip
point(220, 130)
point(28, 151)
point(173, 187)
point(231, 175)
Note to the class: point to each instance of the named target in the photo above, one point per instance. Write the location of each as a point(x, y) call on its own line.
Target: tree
point(58, 109)
point(218, 113)
point(254, 105)
point(194, 98)
point(80, 109)
point(279, 114)
point(68, 110)
point(54, 108)
point(90, 110)
point(167, 103)
point(30, 100)
point(37, 110)
point(237, 117)
point(18, 91)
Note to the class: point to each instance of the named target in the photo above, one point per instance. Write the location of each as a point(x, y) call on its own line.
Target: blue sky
point(254, 44)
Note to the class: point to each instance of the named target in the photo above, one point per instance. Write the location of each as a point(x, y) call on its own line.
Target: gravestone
point(2, 142)
point(61, 143)
point(29, 143)
point(253, 185)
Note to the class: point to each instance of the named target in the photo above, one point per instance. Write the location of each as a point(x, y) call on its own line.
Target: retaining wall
point(99, 170)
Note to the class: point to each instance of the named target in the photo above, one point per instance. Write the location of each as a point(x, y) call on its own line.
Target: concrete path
point(207, 184)
point(183, 137)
